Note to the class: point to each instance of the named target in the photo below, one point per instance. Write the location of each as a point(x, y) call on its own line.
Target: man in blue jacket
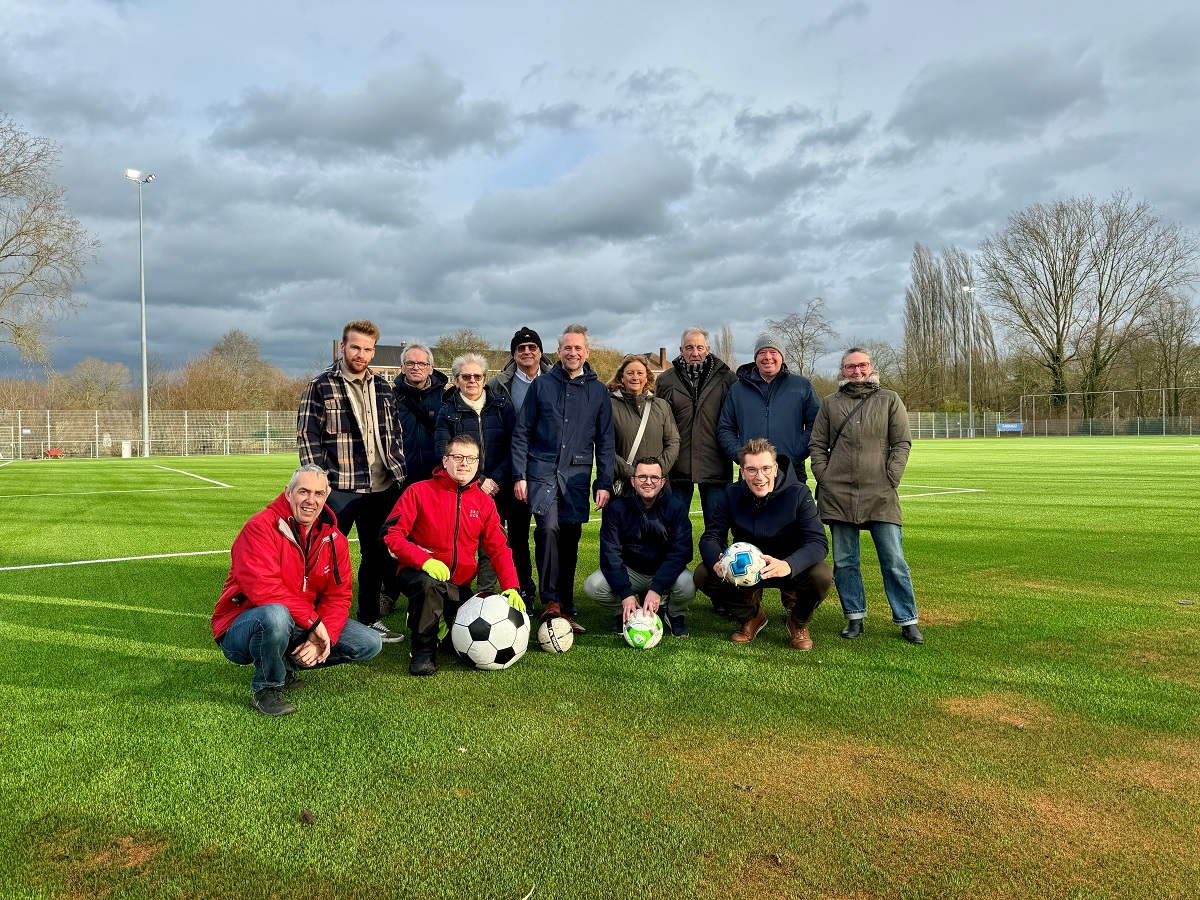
point(645, 547)
point(565, 421)
point(773, 510)
point(768, 401)
point(419, 392)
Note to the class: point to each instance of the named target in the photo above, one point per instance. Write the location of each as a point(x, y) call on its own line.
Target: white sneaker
point(389, 636)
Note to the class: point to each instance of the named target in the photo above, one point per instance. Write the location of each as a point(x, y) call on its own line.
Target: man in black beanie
point(514, 381)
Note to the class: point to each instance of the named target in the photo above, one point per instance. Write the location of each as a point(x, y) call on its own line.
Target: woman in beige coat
point(632, 391)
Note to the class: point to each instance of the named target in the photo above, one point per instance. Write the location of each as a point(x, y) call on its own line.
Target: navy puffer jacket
point(418, 408)
point(492, 427)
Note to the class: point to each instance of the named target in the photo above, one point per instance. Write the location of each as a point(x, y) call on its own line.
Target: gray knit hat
point(767, 340)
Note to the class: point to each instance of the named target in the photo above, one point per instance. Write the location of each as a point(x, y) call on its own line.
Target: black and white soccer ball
point(488, 633)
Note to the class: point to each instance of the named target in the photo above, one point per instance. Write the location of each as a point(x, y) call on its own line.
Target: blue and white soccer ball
point(643, 632)
point(488, 633)
point(743, 564)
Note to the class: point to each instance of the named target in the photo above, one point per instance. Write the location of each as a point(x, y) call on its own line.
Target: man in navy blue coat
point(645, 548)
point(773, 510)
point(769, 401)
point(565, 422)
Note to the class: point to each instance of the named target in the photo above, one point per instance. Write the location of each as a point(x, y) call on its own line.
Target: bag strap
point(419, 412)
point(637, 441)
point(837, 434)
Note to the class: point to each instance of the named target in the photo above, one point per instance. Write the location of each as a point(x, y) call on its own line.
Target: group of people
point(442, 476)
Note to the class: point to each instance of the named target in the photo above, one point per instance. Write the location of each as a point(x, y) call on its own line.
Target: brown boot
point(749, 630)
point(801, 639)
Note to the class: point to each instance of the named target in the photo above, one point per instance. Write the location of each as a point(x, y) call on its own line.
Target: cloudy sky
point(635, 166)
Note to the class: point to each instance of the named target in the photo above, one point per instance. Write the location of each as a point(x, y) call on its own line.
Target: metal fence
point(38, 434)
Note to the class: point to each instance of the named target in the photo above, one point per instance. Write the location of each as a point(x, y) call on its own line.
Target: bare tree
point(92, 384)
point(1172, 329)
point(458, 342)
point(43, 248)
point(805, 335)
point(722, 346)
point(1136, 260)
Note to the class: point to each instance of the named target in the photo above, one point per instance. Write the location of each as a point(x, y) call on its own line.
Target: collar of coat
point(859, 389)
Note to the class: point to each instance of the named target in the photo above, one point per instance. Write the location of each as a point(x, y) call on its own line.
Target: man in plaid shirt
point(349, 426)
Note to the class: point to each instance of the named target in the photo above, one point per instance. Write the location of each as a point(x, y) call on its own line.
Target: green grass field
point(1045, 742)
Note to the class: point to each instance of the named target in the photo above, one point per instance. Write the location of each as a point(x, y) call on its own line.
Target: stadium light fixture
point(969, 290)
point(141, 181)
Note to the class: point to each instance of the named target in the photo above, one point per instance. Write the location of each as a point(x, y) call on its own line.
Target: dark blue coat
point(655, 541)
point(492, 427)
point(782, 411)
point(418, 408)
point(784, 524)
point(563, 424)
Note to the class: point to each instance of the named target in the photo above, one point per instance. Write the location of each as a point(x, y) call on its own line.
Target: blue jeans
point(260, 637)
point(710, 494)
point(847, 573)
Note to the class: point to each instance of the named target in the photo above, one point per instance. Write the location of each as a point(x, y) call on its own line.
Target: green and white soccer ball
point(643, 632)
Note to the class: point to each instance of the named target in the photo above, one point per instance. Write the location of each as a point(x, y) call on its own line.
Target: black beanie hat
point(524, 335)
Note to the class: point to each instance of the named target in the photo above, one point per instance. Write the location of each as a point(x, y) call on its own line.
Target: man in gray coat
point(695, 386)
point(859, 448)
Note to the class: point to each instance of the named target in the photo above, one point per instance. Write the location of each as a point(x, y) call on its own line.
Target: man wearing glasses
point(419, 392)
point(645, 546)
point(527, 363)
point(772, 509)
point(349, 426)
point(433, 533)
point(860, 446)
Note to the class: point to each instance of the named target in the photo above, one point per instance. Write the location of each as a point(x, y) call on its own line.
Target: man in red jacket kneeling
point(433, 533)
point(286, 601)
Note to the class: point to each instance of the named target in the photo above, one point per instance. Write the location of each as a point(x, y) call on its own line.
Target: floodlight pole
point(135, 176)
point(969, 290)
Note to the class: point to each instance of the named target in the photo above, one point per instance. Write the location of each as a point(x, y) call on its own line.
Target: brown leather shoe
point(553, 611)
point(801, 639)
point(576, 628)
point(749, 630)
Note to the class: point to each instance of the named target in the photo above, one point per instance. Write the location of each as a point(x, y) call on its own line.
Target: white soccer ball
point(743, 564)
point(555, 635)
point(643, 632)
point(488, 633)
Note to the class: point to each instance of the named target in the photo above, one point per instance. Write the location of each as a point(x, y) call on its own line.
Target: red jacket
point(439, 519)
point(269, 566)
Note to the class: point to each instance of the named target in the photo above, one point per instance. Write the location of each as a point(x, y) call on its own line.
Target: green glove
point(513, 596)
point(443, 629)
point(436, 569)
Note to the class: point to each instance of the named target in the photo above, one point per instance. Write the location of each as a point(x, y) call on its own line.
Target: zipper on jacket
point(457, 516)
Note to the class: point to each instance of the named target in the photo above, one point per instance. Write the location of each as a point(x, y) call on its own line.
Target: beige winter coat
point(857, 481)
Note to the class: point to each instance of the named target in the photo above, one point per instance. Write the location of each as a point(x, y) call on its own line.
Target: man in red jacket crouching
point(287, 598)
point(433, 533)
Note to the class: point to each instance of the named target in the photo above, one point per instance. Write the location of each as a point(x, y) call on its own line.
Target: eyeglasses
point(850, 367)
point(461, 458)
point(526, 348)
point(753, 472)
point(470, 376)
point(417, 365)
point(648, 479)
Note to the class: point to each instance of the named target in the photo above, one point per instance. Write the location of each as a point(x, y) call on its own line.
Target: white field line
point(89, 562)
point(9, 463)
point(194, 475)
point(129, 491)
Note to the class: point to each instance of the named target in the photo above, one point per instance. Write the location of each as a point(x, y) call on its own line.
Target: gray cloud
point(419, 110)
point(995, 98)
point(667, 80)
point(61, 103)
point(1167, 49)
point(761, 128)
point(741, 192)
point(842, 12)
point(622, 195)
point(837, 135)
point(560, 116)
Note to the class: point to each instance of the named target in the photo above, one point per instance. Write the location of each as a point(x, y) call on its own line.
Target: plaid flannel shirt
point(328, 435)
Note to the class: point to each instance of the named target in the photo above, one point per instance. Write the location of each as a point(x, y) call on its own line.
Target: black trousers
point(801, 592)
point(517, 516)
point(556, 545)
point(367, 512)
point(429, 599)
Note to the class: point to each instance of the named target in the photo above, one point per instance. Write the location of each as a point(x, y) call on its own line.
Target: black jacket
point(701, 458)
point(784, 524)
point(655, 541)
point(492, 427)
point(418, 408)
